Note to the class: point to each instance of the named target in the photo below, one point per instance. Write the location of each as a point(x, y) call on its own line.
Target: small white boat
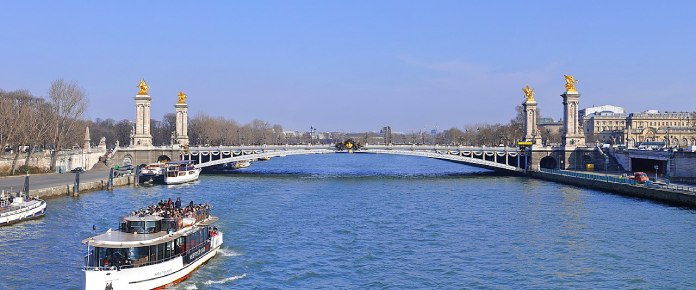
point(242, 164)
point(20, 208)
point(181, 172)
point(152, 250)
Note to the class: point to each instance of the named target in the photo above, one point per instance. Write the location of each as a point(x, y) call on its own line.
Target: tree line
point(29, 123)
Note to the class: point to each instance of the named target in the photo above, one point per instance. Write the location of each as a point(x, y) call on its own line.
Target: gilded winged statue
point(143, 87)
point(182, 97)
point(529, 93)
point(570, 84)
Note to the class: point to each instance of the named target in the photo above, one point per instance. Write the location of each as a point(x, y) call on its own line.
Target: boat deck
point(16, 206)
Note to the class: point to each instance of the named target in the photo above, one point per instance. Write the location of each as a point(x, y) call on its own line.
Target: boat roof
point(118, 239)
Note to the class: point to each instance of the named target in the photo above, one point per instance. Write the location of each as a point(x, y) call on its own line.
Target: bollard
point(110, 183)
point(136, 177)
point(76, 187)
point(26, 184)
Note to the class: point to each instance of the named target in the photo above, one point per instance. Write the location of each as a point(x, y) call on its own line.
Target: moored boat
point(152, 173)
point(181, 172)
point(153, 248)
point(14, 209)
point(242, 164)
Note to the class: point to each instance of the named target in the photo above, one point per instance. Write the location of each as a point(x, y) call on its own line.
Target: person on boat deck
point(177, 204)
point(169, 202)
point(117, 260)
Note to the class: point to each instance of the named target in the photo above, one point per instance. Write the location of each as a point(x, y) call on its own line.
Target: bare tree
point(37, 127)
point(68, 103)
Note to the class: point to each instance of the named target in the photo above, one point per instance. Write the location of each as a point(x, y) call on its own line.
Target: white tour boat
point(153, 248)
point(181, 172)
point(14, 209)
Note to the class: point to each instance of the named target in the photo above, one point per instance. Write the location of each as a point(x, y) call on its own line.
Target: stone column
point(531, 131)
point(86, 146)
point(142, 137)
point(573, 136)
point(181, 134)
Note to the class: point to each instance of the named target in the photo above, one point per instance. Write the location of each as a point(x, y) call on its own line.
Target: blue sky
point(354, 65)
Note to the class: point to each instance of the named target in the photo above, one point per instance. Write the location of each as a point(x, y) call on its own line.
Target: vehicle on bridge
point(181, 172)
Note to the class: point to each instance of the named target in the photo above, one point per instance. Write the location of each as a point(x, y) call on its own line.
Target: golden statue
point(570, 84)
point(182, 97)
point(529, 93)
point(143, 87)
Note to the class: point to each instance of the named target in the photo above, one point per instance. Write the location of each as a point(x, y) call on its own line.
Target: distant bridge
point(507, 159)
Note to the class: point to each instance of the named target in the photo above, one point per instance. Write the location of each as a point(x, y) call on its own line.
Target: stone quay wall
point(642, 191)
point(68, 189)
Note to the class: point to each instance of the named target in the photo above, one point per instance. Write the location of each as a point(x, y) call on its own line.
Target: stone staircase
point(613, 161)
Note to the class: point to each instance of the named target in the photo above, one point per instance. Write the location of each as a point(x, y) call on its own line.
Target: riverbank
point(57, 184)
point(85, 186)
point(686, 196)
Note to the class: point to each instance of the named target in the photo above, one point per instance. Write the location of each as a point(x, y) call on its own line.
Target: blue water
point(352, 221)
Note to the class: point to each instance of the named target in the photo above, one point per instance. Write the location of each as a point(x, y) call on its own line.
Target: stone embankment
point(69, 189)
point(669, 194)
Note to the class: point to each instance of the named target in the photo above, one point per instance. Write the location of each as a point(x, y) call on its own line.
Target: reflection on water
point(354, 221)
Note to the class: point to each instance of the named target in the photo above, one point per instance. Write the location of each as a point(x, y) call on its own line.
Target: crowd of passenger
point(174, 209)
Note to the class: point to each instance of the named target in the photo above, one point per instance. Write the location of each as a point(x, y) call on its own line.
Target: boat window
point(139, 255)
point(152, 227)
point(169, 225)
point(136, 227)
point(153, 253)
point(180, 245)
point(169, 250)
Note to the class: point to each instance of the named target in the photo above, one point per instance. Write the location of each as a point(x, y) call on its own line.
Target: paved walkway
point(16, 183)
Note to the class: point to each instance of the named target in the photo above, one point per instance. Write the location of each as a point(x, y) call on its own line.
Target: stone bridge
point(507, 159)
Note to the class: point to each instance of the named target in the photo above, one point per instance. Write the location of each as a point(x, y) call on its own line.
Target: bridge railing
point(365, 147)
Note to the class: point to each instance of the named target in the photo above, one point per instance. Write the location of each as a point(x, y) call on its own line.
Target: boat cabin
point(151, 239)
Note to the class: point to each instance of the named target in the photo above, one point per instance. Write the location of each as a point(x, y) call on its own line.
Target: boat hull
point(157, 276)
point(22, 212)
point(151, 179)
point(191, 175)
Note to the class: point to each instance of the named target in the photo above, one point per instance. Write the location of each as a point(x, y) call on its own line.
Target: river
point(356, 221)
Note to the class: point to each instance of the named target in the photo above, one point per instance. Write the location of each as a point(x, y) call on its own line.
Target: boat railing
point(5, 208)
point(200, 216)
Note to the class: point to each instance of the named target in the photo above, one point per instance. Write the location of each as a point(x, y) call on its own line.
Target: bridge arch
point(127, 159)
point(548, 162)
point(163, 158)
